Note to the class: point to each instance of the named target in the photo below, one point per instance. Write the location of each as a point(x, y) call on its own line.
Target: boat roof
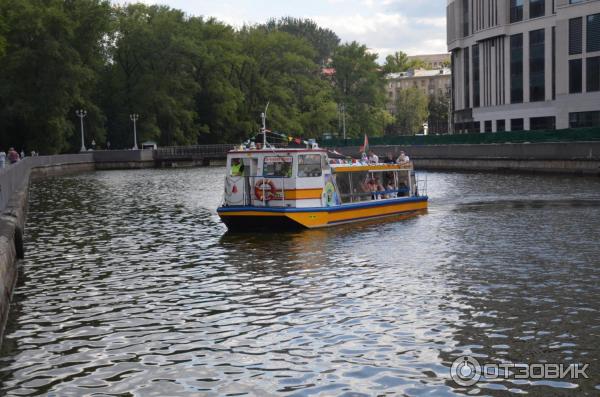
point(277, 150)
point(371, 167)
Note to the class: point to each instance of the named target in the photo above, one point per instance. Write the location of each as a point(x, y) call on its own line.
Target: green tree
point(3, 29)
point(438, 114)
point(360, 87)
point(324, 41)
point(411, 111)
point(50, 69)
point(399, 62)
point(278, 69)
point(152, 73)
point(219, 98)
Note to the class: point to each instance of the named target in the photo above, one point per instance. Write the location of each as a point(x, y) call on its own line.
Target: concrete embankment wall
point(571, 157)
point(14, 184)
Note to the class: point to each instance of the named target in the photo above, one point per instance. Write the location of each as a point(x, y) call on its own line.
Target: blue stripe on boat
point(345, 207)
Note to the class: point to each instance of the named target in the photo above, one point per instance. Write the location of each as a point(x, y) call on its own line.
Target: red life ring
point(268, 187)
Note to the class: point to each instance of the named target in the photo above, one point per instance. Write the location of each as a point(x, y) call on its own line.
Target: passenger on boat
point(389, 189)
point(237, 168)
point(402, 189)
point(370, 186)
point(364, 159)
point(389, 158)
point(380, 188)
point(373, 158)
point(403, 158)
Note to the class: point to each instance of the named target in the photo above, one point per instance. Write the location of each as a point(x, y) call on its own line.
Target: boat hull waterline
point(250, 218)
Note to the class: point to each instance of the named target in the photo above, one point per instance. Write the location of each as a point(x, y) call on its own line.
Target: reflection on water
point(132, 287)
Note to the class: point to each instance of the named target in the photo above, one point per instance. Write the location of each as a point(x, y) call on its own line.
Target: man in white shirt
point(403, 158)
point(373, 158)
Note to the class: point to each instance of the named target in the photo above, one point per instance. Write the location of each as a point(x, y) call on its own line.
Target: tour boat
point(286, 188)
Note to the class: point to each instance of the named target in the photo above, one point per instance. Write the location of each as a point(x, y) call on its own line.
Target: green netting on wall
point(568, 135)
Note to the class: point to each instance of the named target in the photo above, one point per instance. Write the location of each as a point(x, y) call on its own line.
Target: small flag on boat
point(365, 146)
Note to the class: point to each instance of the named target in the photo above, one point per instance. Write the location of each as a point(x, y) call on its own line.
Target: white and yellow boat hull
point(270, 218)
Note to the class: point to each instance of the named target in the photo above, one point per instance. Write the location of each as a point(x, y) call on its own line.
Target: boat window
point(361, 183)
point(278, 167)
point(402, 183)
point(237, 167)
point(343, 183)
point(325, 163)
point(309, 165)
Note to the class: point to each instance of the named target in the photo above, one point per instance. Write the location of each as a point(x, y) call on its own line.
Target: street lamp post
point(343, 109)
point(134, 117)
point(81, 114)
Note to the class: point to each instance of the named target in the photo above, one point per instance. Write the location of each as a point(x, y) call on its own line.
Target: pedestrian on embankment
point(13, 156)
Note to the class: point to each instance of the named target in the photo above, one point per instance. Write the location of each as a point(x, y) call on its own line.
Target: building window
point(516, 125)
point(553, 62)
point(465, 18)
point(584, 119)
point(575, 36)
point(593, 74)
point(593, 33)
point(575, 76)
point(537, 8)
point(516, 11)
point(488, 126)
point(467, 85)
point(476, 127)
point(516, 68)
point(500, 125)
point(537, 61)
point(542, 123)
point(476, 76)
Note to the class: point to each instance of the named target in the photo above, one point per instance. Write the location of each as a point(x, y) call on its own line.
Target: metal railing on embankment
point(195, 152)
point(568, 135)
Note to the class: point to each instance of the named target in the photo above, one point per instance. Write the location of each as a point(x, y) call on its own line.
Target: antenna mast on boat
point(264, 125)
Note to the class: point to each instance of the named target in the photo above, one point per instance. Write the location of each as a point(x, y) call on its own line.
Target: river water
point(132, 287)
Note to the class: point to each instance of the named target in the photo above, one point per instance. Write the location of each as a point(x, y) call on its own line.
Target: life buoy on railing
point(265, 190)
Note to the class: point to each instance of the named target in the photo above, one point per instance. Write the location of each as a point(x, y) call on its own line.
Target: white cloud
point(384, 26)
point(438, 22)
point(360, 24)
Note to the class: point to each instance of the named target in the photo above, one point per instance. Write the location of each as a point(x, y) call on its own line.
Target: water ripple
point(132, 287)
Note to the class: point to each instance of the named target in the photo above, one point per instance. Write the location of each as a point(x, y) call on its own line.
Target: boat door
point(236, 181)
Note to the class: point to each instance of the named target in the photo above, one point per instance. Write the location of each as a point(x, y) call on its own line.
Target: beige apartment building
point(431, 82)
point(524, 64)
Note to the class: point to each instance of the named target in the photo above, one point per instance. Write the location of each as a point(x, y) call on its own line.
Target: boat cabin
point(307, 178)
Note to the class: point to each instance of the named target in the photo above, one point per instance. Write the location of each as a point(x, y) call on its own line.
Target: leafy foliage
point(360, 87)
point(411, 111)
point(399, 62)
point(324, 41)
point(192, 80)
point(49, 69)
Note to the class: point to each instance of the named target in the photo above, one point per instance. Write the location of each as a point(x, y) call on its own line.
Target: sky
point(385, 26)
